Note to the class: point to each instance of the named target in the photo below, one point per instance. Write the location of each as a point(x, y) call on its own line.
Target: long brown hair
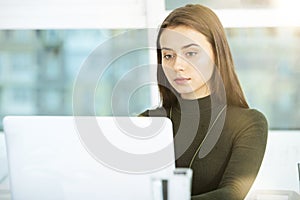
point(205, 21)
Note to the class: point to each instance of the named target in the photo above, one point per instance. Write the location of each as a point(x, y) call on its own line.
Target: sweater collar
point(185, 106)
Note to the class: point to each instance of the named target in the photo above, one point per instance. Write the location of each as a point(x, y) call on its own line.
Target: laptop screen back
point(67, 157)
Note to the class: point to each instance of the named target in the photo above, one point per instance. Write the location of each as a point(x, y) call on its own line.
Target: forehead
point(180, 36)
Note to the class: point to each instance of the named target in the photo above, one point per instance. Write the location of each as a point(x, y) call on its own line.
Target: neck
point(200, 93)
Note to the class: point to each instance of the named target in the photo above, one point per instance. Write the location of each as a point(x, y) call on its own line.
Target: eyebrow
point(184, 47)
point(189, 45)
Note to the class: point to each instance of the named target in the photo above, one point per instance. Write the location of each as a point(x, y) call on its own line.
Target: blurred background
point(38, 69)
point(45, 43)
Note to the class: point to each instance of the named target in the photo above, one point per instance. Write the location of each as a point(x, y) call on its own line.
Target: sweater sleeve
point(248, 147)
point(158, 112)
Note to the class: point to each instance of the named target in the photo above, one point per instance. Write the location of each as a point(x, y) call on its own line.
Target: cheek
point(204, 68)
point(167, 71)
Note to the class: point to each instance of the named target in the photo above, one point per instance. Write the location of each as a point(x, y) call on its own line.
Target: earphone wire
point(198, 149)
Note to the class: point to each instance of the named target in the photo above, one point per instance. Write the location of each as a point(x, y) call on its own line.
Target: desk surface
point(4, 184)
point(274, 195)
point(4, 189)
point(5, 195)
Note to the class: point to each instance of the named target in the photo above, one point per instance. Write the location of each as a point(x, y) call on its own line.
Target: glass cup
point(176, 186)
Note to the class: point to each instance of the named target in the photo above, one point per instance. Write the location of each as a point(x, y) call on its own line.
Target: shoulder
point(157, 112)
point(245, 115)
point(243, 119)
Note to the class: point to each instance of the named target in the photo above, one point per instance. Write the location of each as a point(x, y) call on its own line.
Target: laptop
point(72, 158)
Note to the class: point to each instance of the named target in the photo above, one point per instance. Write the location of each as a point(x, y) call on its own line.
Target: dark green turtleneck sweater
point(231, 153)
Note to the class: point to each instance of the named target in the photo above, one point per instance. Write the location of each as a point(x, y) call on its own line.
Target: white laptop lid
point(63, 157)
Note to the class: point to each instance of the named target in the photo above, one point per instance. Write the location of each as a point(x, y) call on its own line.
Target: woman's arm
point(247, 154)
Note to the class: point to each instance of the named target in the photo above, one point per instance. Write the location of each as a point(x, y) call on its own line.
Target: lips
point(181, 80)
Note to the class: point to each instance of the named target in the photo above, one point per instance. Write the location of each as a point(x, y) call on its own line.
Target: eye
point(191, 53)
point(168, 56)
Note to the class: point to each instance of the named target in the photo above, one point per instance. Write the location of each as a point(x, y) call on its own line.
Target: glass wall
point(38, 69)
point(268, 65)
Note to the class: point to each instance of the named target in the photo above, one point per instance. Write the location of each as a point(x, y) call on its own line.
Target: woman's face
point(187, 61)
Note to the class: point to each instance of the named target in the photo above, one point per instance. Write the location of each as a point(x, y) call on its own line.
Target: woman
point(216, 133)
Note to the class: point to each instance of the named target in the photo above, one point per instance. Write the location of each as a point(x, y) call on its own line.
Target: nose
point(179, 64)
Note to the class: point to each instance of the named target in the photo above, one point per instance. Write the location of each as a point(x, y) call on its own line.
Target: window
point(39, 78)
point(45, 54)
point(267, 63)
